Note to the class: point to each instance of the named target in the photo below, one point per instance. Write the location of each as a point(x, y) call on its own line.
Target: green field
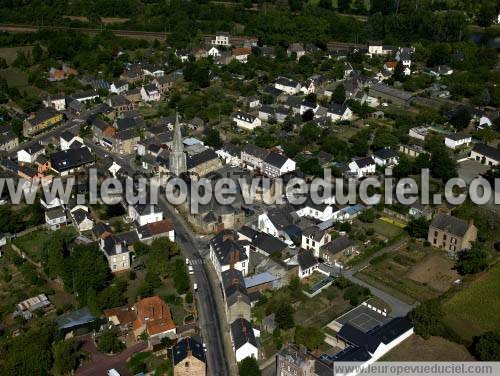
point(34, 242)
point(10, 53)
point(386, 229)
point(475, 308)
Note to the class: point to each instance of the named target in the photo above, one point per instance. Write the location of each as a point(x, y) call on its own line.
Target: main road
point(210, 320)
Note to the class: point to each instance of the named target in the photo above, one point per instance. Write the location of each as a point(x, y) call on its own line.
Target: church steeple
point(177, 159)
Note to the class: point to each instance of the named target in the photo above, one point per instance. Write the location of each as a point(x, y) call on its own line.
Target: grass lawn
point(475, 308)
point(10, 53)
point(386, 229)
point(416, 348)
point(15, 77)
point(34, 242)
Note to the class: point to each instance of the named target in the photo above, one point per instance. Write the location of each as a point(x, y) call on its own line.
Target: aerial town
point(264, 94)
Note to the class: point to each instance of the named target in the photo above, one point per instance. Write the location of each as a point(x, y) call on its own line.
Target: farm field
point(412, 273)
point(474, 309)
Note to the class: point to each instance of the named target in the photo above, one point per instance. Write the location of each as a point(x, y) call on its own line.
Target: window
point(434, 241)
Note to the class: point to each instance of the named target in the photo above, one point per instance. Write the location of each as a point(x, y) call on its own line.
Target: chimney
point(118, 248)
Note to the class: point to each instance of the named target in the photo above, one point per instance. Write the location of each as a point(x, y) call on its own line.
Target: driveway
point(99, 363)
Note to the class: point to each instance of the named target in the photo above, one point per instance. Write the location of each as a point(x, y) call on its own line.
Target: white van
point(113, 372)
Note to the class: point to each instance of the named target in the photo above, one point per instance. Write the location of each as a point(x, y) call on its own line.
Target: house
point(308, 87)
point(313, 238)
point(230, 154)
point(390, 66)
point(82, 220)
point(307, 263)
point(42, 119)
point(385, 157)
point(417, 210)
point(275, 165)
point(84, 96)
point(134, 96)
point(69, 140)
point(66, 162)
point(252, 157)
point(457, 140)
point(30, 153)
point(246, 121)
point(243, 339)
point(241, 54)
point(150, 93)
point(404, 55)
point(451, 233)
point(390, 94)
point(362, 166)
point(188, 358)
point(287, 85)
point(119, 87)
point(153, 318)
point(221, 39)
point(119, 104)
point(296, 48)
point(266, 113)
point(214, 52)
point(261, 242)
point(154, 230)
point(378, 48)
point(235, 295)
point(226, 251)
point(152, 70)
point(367, 347)
point(125, 141)
point(57, 102)
point(164, 83)
point(61, 74)
point(8, 140)
point(296, 360)
point(132, 75)
point(145, 213)
point(335, 251)
point(485, 154)
point(117, 249)
point(308, 106)
point(55, 218)
point(339, 112)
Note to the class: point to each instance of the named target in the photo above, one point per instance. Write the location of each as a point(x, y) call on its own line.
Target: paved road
point(194, 249)
point(99, 363)
point(398, 307)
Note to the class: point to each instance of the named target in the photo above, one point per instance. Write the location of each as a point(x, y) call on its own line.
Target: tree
point(66, 356)
point(487, 13)
point(284, 316)
point(486, 347)
point(427, 319)
point(213, 138)
point(367, 215)
point(418, 227)
point(249, 367)
point(338, 95)
point(311, 337)
point(109, 343)
point(356, 294)
point(461, 118)
point(471, 261)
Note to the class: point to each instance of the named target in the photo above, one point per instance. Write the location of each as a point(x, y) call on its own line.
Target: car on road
point(187, 261)
point(190, 269)
point(195, 287)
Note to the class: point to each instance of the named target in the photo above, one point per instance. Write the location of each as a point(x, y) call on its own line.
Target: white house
point(339, 112)
point(375, 48)
point(246, 121)
point(226, 251)
point(241, 54)
point(221, 39)
point(82, 220)
point(277, 164)
point(404, 56)
point(30, 153)
point(321, 212)
point(150, 93)
point(313, 238)
point(213, 52)
point(362, 166)
point(57, 102)
point(307, 263)
point(308, 87)
point(441, 70)
point(287, 85)
point(145, 213)
point(306, 106)
point(385, 157)
point(55, 218)
point(485, 154)
point(230, 154)
point(66, 139)
point(119, 87)
point(243, 339)
point(420, 133)
point(456, 140)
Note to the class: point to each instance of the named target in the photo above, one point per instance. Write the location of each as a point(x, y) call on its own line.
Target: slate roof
point(313, 231)
point(337, 245)
point(263, 240)
point(234, 287)
point(337, 109)
point(242, 333)
point(363, 162)
point(146, 209)
point(385, 153)
point(68, 159)
point(306, 259)
point(286, 82)
point(227, 248)
point(33, 149)
point(118, 101)
point(255, 151)
point(199, 158)
point(458, 136)
point(244, 116)
point(231, 149)
point(55, 213)
point(487, 151)
point(450, 224)
point(181, 350)
point(275, 159)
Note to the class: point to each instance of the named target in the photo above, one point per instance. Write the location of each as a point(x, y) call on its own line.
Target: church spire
point(177, 159)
